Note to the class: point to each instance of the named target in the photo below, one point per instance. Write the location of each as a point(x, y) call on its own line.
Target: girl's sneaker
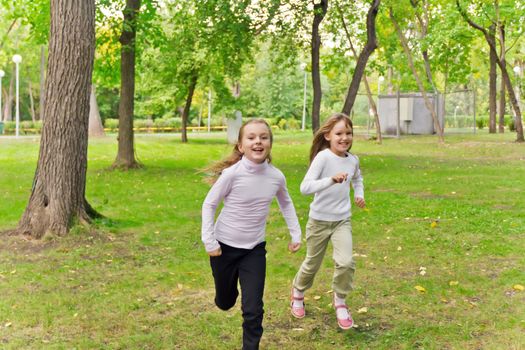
point(344, 318)
point(297, 305)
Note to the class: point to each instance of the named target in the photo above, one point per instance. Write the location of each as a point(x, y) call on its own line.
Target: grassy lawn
point(448, 219)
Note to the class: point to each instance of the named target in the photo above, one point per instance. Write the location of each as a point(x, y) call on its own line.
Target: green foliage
point(481, 122)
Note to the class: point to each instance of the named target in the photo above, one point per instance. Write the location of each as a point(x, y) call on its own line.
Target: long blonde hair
point(216, 169)
point(319, 142)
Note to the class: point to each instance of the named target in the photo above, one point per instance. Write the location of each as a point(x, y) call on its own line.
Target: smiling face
point(340, 138)
point(255, 143)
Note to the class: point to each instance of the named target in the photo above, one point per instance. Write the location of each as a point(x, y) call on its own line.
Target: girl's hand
point(216, 252)
point(360, 202)
point(293, 247)
point(338, 178)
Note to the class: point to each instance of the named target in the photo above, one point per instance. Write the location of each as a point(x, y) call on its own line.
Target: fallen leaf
point(420, 289)
point(8, 324)
point(362, 310)
point(453, 283)
point(317, 297)
point(433, 224)
point(518, 287)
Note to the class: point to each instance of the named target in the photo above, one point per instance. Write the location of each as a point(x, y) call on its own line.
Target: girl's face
point(255, 142)
point(340, 138)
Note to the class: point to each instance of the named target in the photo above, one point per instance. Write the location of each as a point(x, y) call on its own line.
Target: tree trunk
point(370, 46)
point(320, 10)
point(58, 194)
point(42, 81)
point(126, 151)
point(187, 106)
point(95, 128)
point(389, 77)
point(374, 110)
point(31, 101)
point(492, 85)
point(502, 102)
point(367, 86)
point(504, 74)
point(8, 108)
point(423, 20)
point(428, 103)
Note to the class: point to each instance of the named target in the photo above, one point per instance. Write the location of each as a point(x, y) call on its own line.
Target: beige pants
point(318, 233)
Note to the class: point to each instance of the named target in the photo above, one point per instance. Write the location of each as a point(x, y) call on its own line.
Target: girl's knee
point(345, 263)
point(225, 304)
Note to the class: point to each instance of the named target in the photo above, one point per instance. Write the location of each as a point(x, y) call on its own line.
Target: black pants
point(248, 266)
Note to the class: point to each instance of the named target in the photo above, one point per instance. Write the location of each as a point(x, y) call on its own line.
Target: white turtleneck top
point(247, 190)
point(332, 200)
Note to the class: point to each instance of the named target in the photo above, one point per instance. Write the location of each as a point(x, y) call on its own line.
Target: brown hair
point(319, 143)
point(215, 169)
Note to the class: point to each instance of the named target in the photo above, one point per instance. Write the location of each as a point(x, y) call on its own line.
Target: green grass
point(140, 279)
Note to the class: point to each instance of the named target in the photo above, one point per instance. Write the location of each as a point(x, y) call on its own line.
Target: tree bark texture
point(41, 100)
point(58, 195)
point(502, 64)
point(493, 83)
point(320, 10)
point(368, 49)
point(428, 103)
point(187, 106)
point(126, 150)
point(96, 129)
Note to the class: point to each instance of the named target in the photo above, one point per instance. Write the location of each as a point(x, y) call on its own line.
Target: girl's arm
point(218, 191)
point(288, 210)
point(357, 182)
point(311, 182)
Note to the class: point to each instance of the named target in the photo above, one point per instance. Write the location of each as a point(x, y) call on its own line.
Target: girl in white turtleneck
point(333, 169)
point(235, 242)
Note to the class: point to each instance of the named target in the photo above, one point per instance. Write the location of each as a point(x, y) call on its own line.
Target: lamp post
point(303, 68)
point(2, 74)
point(17, 59)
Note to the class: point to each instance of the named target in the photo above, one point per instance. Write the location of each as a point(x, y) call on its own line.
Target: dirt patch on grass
point(25, 245)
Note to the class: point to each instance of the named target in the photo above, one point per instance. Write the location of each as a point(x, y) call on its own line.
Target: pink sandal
point(344, 323)
point(297, 312)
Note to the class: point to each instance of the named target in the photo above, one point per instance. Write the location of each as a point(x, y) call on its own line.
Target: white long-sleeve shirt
point(332, 200)
point(247, 189)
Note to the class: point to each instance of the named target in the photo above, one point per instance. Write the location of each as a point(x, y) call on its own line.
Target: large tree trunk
point(58, 195)
point(41, 100)
point(428, 103)
point(504, 74)
point(126, 151)
point(187, 106)
point(370, 46)
point(319, 13)
point(492, 85)
point(502, 102)
point(95, 129)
